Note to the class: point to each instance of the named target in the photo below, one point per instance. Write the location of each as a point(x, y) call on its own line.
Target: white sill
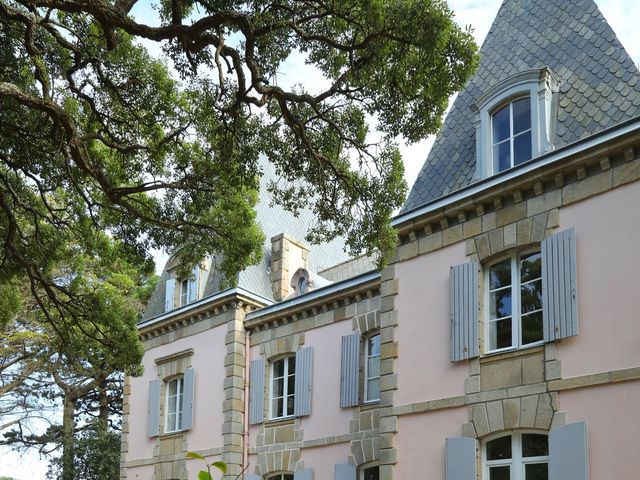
point(513, 349)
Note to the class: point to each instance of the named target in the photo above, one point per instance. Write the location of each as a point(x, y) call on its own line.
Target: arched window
point(372, 368)
point(175, 404)
point(281, 476)
point(511, 134)
point(517, 456)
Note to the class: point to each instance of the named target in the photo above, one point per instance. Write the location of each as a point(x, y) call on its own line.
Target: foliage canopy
point(99, 136)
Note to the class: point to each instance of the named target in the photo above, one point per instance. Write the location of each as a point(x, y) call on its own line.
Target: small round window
point(302, 285)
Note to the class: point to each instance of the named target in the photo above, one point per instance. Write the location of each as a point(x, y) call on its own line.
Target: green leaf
point(194, 455)
point(220, 466)
point(204, 475)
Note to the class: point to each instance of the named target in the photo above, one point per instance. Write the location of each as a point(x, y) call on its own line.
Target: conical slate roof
point(599, 84)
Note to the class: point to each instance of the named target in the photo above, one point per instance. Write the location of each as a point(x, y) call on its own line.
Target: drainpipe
point(245, 434)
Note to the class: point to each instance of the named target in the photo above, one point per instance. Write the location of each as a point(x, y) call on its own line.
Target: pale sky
point(622, 15)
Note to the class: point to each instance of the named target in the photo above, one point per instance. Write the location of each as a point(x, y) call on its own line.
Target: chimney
point(287, 256)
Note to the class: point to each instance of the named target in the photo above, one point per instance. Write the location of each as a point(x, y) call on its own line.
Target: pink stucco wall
point(327, 418)
point(144, 472)
point(322, 460)
point(208, 363)
point(613, 422)
point(420, 442)
point(423, 366)
point(607, 242)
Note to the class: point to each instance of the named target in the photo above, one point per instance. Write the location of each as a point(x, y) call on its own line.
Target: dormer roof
point(599, 85)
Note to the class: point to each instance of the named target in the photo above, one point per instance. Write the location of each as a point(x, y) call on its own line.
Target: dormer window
point(511, 134)
point(302, 285)
point(301, 281)
point(515, 121)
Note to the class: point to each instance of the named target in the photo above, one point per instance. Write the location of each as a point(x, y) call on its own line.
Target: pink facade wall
point(424, 369)
point(607, 242)
point(208, 363)
point(420, 442)
point(322, 460)
point(612, 414)
point(145, 472)
point(327, 418)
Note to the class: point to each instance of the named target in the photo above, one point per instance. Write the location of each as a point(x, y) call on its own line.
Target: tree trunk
point(103, 397)
point(68, 428)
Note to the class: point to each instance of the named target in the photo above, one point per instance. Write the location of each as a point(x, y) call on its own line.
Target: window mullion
point(515, 303)
point(511, 139)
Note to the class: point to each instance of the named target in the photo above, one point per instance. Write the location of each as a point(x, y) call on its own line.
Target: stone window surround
point(541, 86)
point(170, 367)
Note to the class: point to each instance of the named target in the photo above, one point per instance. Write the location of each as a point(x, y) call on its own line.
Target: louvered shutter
point(304, 373)
point(153, 412)
point(463, 292)
point(304, 474)
point(568, 452)
point(253, 476)
point(187, 412)
point(169, 294)
point(256, 391)
point(460, 458)
point(349, 370)
point(193, 284)
point(345, 471)
point(559, 302)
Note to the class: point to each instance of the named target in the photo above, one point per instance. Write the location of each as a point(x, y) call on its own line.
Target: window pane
point(532, 330)
point(500, 125)
point(500, 473)
point(531, 296)
point(500, 303)
point(521, 115)
point(290, 405)
point(530, 267)
point(277, 407)
point(172, 405)
point(292, 365)
point(278, 368)
point(373, 389)
point(535, 445)
point(287, 476)
point(536, 471)
point(291, 385)
point(500, 275)
point(500, 334)
point(522, 148)
point(373, 367)
point(371, 473)
point(502, 156)
point(278, 387)
point(499, 449)
point(374, 345)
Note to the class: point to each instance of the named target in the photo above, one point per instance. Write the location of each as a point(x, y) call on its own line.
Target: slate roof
point(599, 84)
point(256, 278)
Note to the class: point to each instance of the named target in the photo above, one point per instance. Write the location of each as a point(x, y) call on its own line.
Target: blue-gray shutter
point(256, 391)
point(463, 292)
point(194, 284)
point(349, 371)
point(568, 452)
point(559, 303)
point(169, 294)
point(153, 412)
point(460, 458)
point(304, 474)
point(345, 471)
point(304, 374)
point(187, 412)
point(253, 476)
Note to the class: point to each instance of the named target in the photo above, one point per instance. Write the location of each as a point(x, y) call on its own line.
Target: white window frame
point(174, 421)
point(516, 305)
point(363, 468)
point(184, 292)
point(285, 388)
point(367, 379)
point(279, 476)
point(541, 86)
point(511, 138)
point(516, 460)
